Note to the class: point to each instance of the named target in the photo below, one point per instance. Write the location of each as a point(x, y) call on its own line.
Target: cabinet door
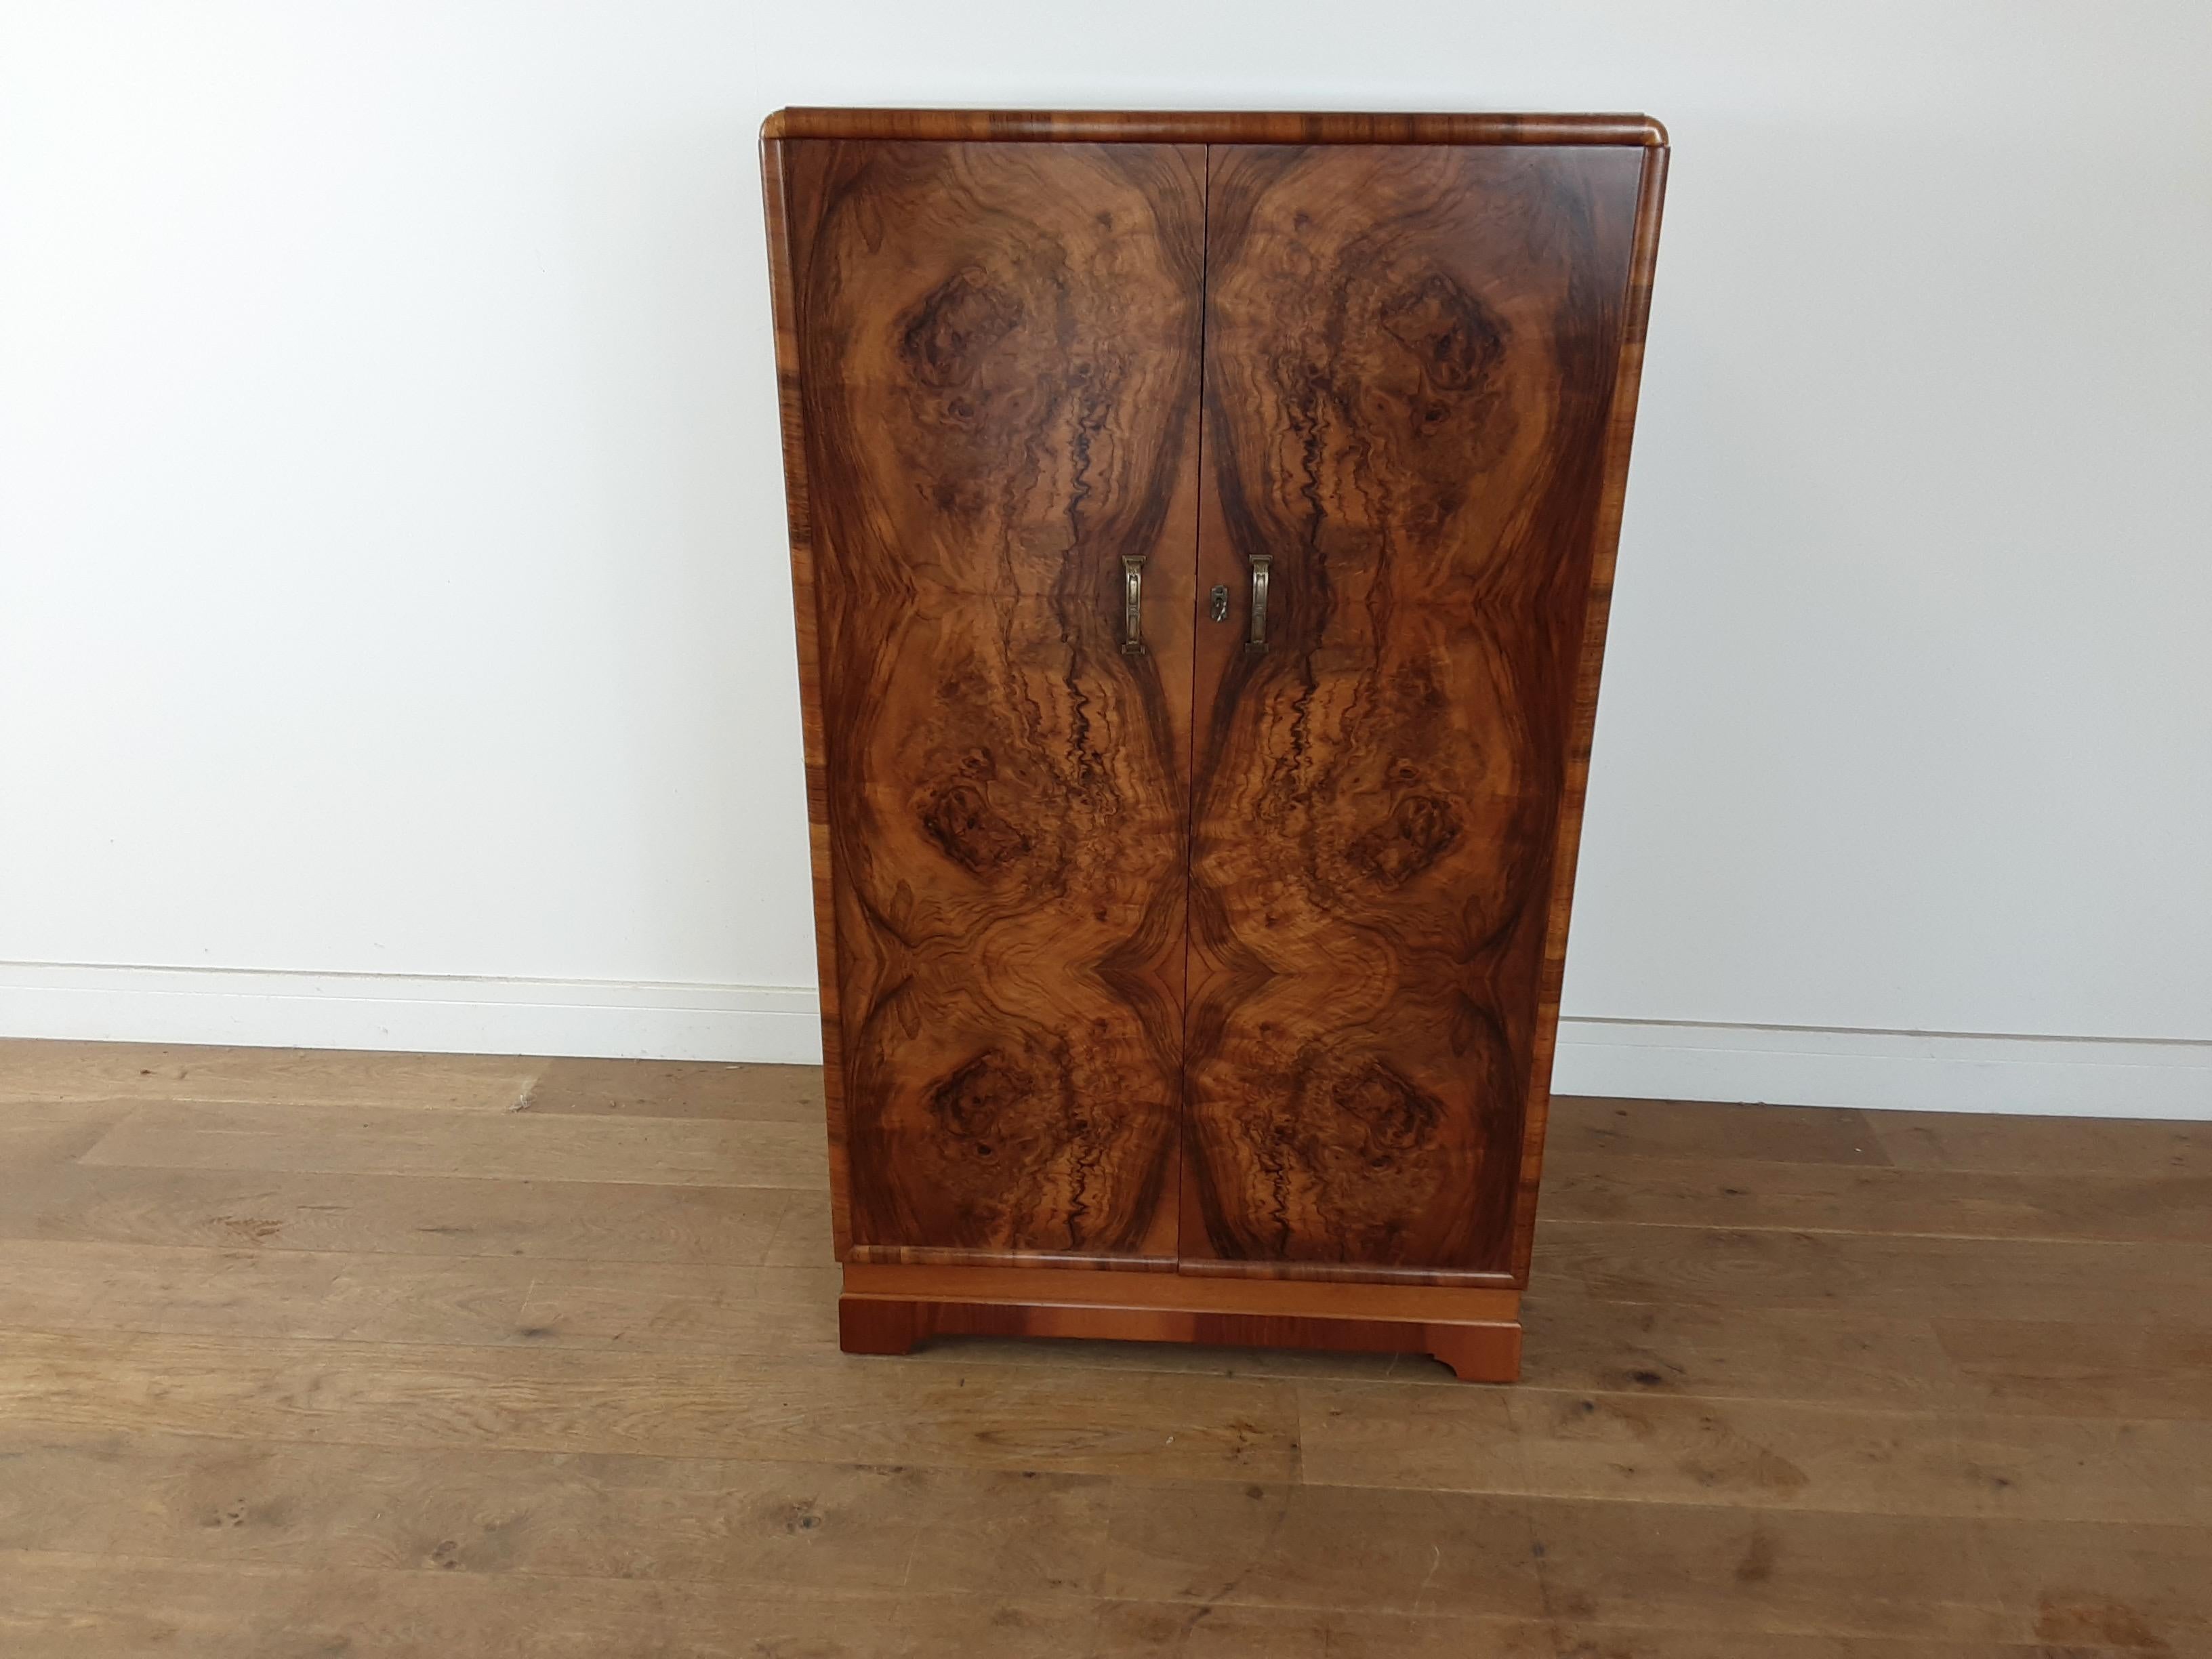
point(994, 359)
point(1411, 356)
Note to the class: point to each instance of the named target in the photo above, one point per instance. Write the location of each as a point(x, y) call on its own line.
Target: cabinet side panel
point(1605, 546)
point(791, 411)
point(1412, 353)
point(997, 369)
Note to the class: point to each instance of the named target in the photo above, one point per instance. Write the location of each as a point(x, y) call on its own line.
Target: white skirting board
point(1916, 1071)
point(429, 1014)
point(1803, 1065)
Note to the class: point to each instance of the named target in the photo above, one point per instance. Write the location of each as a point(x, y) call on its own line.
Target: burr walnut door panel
point(997, 351)
point(1410, 353)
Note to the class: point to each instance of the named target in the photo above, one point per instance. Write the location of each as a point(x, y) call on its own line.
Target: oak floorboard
point(1584, 1131)
point(1240, 1631)
point(1725, 1268)
point(668, 1308)
point(1620, 1642)
point(824, 1527)
point(34, 1133)
point(75, 1605)
point(383, 1141)
point(831, 1529)
point(1711, 1570)
point(121, 1288)
point(674, 1309)
point(1919, 1387)
point(693, 1307)
point(840, 1410)
point(1579, 1341)
point(1786, 1454)
point(1849, 1198)
point(103, 1605)
point(2081, 1369)
point(803, 1236)
point(1303, 1545)
point(2142, 1590)
point(1656, 1580)
point(79, 1605)
point(660, 1088)
point(45, 1069)
point(424, 1300)
point(1755, 1454)
point(2042, 1145)
point(433, 1215)
point(1740, 1454)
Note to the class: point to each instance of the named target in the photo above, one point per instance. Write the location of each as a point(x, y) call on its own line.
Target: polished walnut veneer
point(1203, 528)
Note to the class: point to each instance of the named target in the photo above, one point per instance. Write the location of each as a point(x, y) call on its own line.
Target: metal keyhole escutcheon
point(1218, 607)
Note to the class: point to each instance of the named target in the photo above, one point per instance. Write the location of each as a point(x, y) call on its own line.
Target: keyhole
point(1219, 608)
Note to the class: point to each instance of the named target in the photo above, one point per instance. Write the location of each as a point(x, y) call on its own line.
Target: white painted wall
point(394, 639)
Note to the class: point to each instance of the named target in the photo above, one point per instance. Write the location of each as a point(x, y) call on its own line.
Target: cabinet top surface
point(1210, 126)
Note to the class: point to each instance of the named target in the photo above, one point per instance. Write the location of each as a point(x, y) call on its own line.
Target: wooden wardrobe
point(1202, 527)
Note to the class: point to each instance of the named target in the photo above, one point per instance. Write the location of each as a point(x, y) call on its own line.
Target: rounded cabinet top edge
point(1210, 126)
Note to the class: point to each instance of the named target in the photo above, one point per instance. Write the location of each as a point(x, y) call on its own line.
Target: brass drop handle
point(1133, 603)
point(1259, 562)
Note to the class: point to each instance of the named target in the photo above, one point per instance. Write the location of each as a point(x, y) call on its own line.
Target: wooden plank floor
point(317, 1354)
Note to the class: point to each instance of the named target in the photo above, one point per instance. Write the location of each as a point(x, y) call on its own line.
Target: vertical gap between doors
point(1198, 606)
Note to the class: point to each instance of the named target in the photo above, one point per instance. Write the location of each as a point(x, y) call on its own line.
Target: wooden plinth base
point(888, 1309)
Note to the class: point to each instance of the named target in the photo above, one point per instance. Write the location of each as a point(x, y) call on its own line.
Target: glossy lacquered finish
point(1200, 947)
point(1410, 359)
point(999, 348)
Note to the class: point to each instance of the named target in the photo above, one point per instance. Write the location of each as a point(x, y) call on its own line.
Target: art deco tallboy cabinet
point(1202, 527)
